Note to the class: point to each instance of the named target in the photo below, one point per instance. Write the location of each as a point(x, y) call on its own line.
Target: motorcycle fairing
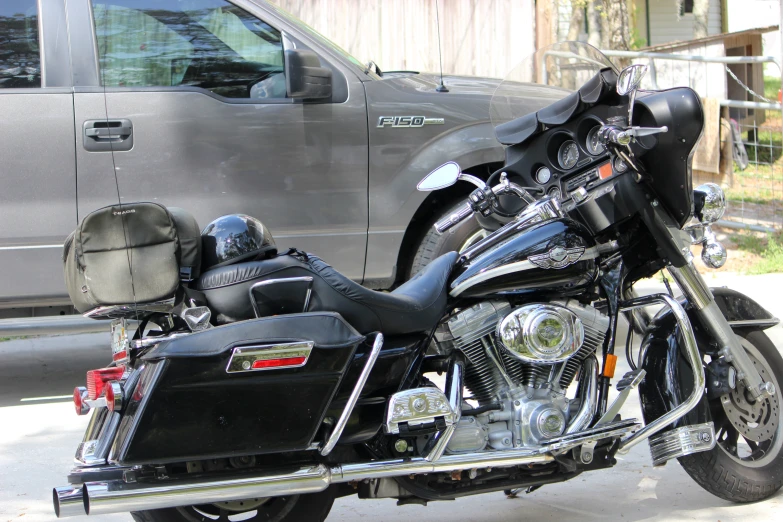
point(195, 409)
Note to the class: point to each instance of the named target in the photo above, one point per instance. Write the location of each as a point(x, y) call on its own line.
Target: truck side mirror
point(304, 76)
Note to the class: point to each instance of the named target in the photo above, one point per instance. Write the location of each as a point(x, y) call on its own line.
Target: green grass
point(769, 249)
point(771, 87)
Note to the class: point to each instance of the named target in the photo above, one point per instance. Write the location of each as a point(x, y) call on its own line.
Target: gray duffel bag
point(131, 254)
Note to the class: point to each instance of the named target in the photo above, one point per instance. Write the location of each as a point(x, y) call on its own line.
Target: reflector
point(277, 363)
point(97, 379)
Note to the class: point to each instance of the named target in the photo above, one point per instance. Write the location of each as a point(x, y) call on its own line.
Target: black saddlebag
point(133, 254)
point(248, 388)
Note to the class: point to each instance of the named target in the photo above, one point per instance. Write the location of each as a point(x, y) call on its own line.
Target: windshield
point(550, 74)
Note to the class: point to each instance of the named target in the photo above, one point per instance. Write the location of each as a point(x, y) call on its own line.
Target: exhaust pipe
point(68, 501)
point(117, 496)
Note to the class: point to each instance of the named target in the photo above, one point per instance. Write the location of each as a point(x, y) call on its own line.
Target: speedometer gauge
point(568, 155)
point(593, 144)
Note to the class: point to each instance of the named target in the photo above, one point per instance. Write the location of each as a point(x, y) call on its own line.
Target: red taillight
point(276, 363)
point(79, 405)
point(97, 380)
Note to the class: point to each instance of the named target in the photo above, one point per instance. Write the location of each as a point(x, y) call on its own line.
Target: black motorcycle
point(268, 384)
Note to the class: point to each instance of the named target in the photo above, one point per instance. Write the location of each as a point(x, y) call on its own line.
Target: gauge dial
point(543, 175)
point(619, 165)
point(593, 144)
point(554, 192)
point(568, 155)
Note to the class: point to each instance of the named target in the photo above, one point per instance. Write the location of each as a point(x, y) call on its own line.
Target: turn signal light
point(114, 396)
point(79, 400)
point(98, 379)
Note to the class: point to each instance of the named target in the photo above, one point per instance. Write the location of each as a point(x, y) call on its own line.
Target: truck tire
point(433, 245)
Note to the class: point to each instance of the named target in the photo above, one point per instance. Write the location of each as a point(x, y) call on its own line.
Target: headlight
point(709, 203)
point(541, 333)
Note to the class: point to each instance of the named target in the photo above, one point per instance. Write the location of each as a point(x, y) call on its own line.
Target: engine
point(520, 363)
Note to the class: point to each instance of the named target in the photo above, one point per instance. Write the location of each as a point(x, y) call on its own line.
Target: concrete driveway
point(39, 433)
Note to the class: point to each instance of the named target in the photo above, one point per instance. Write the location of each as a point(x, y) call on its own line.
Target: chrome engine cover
point(531, 395)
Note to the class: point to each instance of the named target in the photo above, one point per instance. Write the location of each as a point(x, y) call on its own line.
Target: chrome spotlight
point(709, 202)
point(714, 254)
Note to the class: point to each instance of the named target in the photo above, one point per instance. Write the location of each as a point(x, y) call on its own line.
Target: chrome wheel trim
point(774, 449)
point(473, 239)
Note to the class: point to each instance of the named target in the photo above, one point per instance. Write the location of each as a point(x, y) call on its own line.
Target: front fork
point(700, 297)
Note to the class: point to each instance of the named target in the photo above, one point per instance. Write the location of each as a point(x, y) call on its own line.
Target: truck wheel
point(459, 238)
point(313, 507)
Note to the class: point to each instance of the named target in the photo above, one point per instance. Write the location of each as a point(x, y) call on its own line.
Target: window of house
point(211, 44)
point(20, 59)
point(686, 7)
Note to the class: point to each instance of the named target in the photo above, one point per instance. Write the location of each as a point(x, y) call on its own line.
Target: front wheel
point(746, 464)
point(313, 507)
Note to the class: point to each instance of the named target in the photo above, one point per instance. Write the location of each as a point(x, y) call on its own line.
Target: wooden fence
point(479, 37)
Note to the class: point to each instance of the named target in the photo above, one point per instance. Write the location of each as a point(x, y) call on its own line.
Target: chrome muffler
point(98, 498)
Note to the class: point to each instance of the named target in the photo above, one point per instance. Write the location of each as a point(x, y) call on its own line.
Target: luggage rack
point(131, 311)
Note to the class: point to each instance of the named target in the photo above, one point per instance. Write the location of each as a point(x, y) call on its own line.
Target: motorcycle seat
point(414, 307)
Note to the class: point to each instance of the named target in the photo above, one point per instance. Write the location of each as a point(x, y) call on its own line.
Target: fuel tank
point(555, 256)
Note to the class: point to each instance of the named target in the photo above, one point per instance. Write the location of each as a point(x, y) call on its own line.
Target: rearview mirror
point(444, 176)
point(304, 76)
point(630, 79)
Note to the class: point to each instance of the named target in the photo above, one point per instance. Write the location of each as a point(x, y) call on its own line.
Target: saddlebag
point(131, 254)
point(248, 388)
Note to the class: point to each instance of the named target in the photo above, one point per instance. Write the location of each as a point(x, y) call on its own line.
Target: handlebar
point(475, 203)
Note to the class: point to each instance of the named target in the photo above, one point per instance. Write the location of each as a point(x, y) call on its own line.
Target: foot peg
point(419, 407)
point(681, 441)
point(627, 384)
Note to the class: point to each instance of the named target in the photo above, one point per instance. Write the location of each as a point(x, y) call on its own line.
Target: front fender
point(669, 379)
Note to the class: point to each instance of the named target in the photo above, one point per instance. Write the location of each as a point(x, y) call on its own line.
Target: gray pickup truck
point(191, 97)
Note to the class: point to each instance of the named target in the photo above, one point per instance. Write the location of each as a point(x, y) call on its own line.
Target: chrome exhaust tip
point(69, 501)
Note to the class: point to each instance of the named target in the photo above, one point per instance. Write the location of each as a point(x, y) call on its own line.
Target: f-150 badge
point(407, 122)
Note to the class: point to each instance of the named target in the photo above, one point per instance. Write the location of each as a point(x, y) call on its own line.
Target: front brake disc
point(756, 420)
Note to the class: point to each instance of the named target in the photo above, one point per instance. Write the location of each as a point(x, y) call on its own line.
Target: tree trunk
point(577, 20)
point(701, 10)
point(594, 22)
point(616, 27)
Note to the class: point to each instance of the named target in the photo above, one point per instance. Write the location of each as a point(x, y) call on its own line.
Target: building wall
point(750, 14)
point(666, 24)
point(479, 37)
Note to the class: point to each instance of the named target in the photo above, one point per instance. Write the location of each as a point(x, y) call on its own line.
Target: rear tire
point(721, 471)
point(313, 507)
point(434, 245)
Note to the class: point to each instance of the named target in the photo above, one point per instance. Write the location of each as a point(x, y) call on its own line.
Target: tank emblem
point(408, 122)
point(558, 257)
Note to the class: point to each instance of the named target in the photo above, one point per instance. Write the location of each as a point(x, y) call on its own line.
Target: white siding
point(667, 26)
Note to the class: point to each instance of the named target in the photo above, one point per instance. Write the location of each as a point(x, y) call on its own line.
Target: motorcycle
point(270, 387)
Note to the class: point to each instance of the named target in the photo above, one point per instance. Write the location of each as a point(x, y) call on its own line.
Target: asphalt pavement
point(39, 433)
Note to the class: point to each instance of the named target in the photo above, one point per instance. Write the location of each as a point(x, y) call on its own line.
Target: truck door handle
point(107, 135)
point(108, 132)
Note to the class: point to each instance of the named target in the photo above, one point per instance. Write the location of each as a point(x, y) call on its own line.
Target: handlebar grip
point(454, 219)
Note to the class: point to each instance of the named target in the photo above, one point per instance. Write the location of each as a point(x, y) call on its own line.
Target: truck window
point(20, 59)
point(210, 44)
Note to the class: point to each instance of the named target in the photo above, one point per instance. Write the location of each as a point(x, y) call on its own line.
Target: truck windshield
point(321, 39)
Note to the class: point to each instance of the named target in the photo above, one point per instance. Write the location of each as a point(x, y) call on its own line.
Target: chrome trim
point(454, 385)
point(68, 501)
point(627, 384)
point(152, 341)
point(588, 391)
point(517, 333)
point(116, 389)
point(357, 390)
point(243, 357)
point(682, 441)
point(519, 266)
point(268, 282)
point(94, 452)
point(129, 310)
point(557, 258)
point(402, 408)
point(692, 285)
point(118, 496)
point(691, 350)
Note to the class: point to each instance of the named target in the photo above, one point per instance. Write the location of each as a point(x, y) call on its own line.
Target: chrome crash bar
point(694, 358)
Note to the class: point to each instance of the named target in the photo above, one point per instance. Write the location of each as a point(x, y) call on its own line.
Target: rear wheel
point(458, 238)
point(746, 464)
point(313, 507)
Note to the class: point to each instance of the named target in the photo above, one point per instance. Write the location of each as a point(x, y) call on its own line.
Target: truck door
point(196, 114)
point(37, 163)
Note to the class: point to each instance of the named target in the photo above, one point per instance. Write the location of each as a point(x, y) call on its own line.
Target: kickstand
point(513, 493)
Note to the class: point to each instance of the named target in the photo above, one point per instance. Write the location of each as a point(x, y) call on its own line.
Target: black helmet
point(235, 238)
